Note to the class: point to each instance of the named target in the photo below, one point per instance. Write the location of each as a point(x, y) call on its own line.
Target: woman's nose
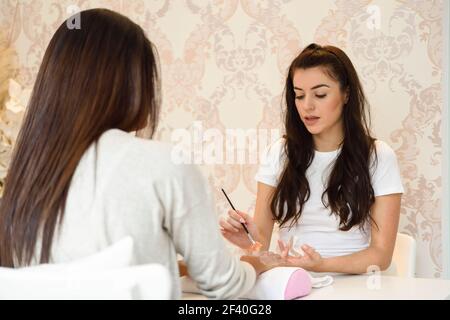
point(309, 104)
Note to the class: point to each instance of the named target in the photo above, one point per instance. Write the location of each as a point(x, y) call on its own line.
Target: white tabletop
point(375, 287)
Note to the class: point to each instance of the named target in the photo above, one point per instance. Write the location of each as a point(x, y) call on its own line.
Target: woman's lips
point(309, 121)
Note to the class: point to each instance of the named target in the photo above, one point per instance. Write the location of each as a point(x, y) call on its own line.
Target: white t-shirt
point(317, 226)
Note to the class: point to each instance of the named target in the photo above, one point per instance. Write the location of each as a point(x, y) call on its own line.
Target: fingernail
point(242, 220)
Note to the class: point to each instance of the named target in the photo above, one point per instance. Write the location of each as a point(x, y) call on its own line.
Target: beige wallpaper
point(223, 67)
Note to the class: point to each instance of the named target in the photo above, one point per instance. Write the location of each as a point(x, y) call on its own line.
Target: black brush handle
point(229, 201)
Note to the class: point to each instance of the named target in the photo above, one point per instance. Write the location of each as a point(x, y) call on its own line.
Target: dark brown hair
point(349, 193)
point(101, 76)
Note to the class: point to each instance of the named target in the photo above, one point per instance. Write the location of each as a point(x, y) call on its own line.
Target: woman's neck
point(329, 142)
point(330, 138)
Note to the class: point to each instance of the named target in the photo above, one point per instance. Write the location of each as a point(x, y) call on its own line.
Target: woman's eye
point(320, 96)
point(299, 97)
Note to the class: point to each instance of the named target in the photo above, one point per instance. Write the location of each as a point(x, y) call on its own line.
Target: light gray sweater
point(128, 186)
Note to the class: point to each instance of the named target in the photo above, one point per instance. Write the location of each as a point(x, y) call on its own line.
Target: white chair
point(106, 275)
point(404, 257)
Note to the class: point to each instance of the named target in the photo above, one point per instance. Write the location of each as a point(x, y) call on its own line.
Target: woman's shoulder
point(385, 156)
point(278, 143)
point(143, 167)
point(117, 139)
point(383, 149)
point(386, 176)
point(271, 162)
point(275, 149)
point(140, 155)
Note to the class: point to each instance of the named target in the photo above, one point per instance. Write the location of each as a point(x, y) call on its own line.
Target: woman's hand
point(257, 264)
point(310, 260)
point(232, 229)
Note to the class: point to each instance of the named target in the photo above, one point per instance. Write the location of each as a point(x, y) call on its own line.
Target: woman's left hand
point(311, 260)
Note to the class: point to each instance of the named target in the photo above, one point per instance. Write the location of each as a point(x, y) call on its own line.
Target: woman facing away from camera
point(332, 188)
point(80, 179)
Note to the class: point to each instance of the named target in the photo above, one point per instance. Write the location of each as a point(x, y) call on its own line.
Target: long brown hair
point(101, 76)
point(349, 193)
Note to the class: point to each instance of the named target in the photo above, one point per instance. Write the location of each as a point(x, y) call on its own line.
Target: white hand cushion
point(281, 283)
point(104, 275)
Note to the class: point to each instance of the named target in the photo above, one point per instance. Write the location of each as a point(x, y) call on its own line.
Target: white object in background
point(104, 275)
point(320, 282)
point(18, 97)
point(404, 257)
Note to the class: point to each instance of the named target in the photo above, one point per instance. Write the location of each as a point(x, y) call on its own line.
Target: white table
point(374, 287)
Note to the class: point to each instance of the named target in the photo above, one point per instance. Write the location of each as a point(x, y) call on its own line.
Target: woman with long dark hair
point(79, 179)
point(333, 189)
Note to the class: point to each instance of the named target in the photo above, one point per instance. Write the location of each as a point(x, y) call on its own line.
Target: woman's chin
point(313, 130)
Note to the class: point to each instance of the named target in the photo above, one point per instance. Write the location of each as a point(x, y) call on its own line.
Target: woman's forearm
point(359, 262)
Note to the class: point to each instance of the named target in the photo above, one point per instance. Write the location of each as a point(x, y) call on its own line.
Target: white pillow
point(104, 275)
point(117, 255)
point(150, 281)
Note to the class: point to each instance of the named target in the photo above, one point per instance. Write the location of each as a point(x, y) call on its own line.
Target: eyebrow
point(315, 87)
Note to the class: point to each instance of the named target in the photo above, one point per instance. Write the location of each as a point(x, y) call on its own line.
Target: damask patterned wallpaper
point(223, 67)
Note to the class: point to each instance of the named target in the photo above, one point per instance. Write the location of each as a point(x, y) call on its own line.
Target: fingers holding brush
point(235, 219)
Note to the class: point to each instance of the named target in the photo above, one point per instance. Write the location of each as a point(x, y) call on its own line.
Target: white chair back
point(404, 257)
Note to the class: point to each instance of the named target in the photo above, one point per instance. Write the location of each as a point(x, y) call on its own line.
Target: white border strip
point(445, 219)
